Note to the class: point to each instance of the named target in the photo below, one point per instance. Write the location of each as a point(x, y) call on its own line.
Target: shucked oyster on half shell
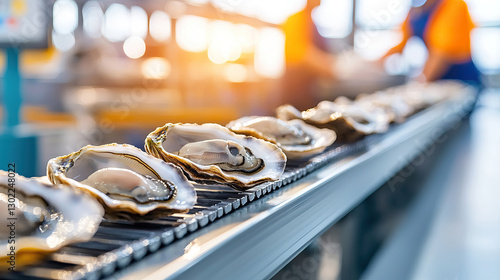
point(348, 121)
point(422, 95)
point(38, 219)
point(395, 105)
point(296, 138)
point(212, 153)
point(124, 179)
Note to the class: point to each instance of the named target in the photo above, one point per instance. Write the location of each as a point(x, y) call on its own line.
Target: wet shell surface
point(348, 121)
point(124, 179)
point(394, 105)
point(211, 153)
point(296, 138)
point(43, 217)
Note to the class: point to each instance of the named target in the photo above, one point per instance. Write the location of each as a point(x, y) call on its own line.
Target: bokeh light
point(276, 11)
point(415, 53)
point(224, 45)
point(381, 14)
point(138, 22)
point(19, 7)
point(116, 23)
point(485, 46)
point(333, 18)
point(63, 42)
point(269, 53)
point(134, 47)
point(192, 33)
point(92, 18)
point(485, 11)
point(373, 44)
point(235, 73)
point(247, 36)
point(156, 68)
point(160, 26)
point(65, 16)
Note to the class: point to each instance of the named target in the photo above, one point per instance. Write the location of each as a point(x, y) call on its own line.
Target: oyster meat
point(348, 121)
point(124, 179)
point(296, 138)
point(394, 105)
point(212, 153)
point(43, 218)
point(407, 99)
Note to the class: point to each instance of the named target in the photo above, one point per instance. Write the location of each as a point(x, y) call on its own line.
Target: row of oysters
point(124, 182)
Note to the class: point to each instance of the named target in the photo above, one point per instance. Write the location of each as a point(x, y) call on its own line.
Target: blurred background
point(114, 70)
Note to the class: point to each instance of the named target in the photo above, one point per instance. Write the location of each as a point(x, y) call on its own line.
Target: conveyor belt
point(117, 244)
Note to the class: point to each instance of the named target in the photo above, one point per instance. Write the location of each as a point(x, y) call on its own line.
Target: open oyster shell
point(212, 153)
point(124, 179)
point(348, 121)
point(422, 95)
point(296, 138)
point(393, 104)
point(45, 218)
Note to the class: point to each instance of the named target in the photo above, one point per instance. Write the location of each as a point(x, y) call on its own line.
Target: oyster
point(296, 138)
point(124, 179)
point(394, 105)
point(43, 218)
point(412, 94)
point(212, 153)
point(423, 95)
point(407, 99)
point(348, 121)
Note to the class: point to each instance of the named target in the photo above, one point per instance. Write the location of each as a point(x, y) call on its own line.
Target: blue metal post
point(12, 89)
point(17, 146)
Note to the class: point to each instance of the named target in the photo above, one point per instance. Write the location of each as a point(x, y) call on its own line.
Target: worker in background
point(307, 59)
point(444, 26)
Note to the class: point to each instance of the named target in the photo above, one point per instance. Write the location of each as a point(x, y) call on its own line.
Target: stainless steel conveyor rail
point(259, 239)
point(272, 223)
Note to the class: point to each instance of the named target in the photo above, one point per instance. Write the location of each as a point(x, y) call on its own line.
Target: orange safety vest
point(448, 30)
